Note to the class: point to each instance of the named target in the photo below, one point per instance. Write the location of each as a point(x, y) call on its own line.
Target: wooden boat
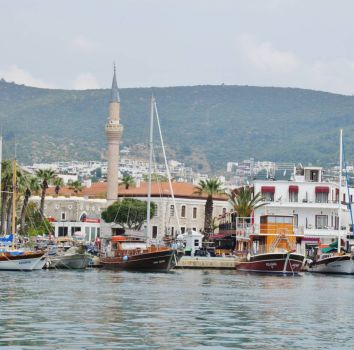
point(132, 254)
point(273, 249)
point(21, 261)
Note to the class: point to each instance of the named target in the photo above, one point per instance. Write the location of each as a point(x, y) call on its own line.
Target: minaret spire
point(114, 91)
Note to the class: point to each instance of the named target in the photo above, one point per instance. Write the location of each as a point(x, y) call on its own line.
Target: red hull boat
point(283, 263)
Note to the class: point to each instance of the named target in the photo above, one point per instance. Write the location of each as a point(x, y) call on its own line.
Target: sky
point(70, 44)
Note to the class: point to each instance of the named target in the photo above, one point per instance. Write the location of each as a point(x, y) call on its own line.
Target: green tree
point(128, 181)
point(58, 183)
point(210, 188)
point(75, 186)
point(35, 223)
point(128, 213)
point(27, 185)
point(45, 177)
point(244, 202)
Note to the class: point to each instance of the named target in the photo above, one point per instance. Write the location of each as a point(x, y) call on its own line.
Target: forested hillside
point(204, 126)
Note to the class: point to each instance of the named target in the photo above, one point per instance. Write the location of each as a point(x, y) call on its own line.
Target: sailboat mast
point(14, 183)
point(340, 189)
point(148, 225)
point(167, 170)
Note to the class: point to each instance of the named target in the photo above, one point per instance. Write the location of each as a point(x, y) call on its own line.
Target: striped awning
point(293, 188)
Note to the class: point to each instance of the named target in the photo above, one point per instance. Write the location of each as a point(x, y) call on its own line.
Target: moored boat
point(132, 254)
point(21, 261)
point(273, 248)
point(73, 258)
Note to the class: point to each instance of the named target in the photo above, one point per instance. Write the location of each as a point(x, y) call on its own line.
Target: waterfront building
point(302, 194)
point(69, 212)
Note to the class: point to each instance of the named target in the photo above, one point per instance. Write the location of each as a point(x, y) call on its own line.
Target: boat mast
point(148, 229)
point(167, 170)
point(14, 180)
point(340, 189)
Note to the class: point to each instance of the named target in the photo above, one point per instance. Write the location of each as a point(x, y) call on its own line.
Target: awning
point(268, 189)
point(322, 189)
point(337, 191)
point(293, 188)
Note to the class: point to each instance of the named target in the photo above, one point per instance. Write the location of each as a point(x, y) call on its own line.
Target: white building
point(312, 202)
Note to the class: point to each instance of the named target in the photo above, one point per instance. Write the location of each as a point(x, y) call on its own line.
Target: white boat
point(339, 262)
point(334, 263)
point(73, 258)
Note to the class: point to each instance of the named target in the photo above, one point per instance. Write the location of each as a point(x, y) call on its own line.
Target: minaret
point(114, 133)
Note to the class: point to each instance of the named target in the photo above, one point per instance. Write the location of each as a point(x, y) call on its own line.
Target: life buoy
point(125, 258)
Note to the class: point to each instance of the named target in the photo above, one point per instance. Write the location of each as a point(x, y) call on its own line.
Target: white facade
point(312, 202)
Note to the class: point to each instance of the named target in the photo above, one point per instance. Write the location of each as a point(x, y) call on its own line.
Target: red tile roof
point(99, 189)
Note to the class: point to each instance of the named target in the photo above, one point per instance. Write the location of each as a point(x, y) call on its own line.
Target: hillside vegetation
point(204, 126)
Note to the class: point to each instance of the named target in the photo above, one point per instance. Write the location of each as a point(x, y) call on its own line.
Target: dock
point(197, 262)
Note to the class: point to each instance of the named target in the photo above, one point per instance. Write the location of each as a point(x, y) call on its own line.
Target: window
point(75, 229)
point(293, 196)
point(194, 228)
point(224, 210)
point(62, 231)
point(196, 242)
point(321, 221)
point(194, 213)
point(154, 231)
point(268, 196)
point(172, 230)
point(156, 210)
point(172, 210)
point(63, 215)
point(183, 211)
point(322, 197)
point(183, 229)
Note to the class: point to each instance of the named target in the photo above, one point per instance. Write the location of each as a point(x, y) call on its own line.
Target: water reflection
point(179, 310)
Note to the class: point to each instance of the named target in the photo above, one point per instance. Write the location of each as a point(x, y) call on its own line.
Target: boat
point(129, 253)
point(330, 261)
point(335, 259)
point(135, 255)
point(274, 248)
point(14, 259)
point(73, 258)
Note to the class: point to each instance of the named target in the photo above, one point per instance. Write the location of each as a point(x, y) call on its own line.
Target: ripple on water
point(180, 310)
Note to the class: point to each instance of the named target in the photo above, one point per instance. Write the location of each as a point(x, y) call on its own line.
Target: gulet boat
point(273, 249)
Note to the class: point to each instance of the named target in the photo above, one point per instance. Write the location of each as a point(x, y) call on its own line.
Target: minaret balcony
point(114, 130)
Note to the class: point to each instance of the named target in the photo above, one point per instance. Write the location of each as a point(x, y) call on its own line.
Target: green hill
point(202, 125)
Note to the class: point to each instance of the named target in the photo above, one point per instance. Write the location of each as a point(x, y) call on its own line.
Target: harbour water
point(184, 309)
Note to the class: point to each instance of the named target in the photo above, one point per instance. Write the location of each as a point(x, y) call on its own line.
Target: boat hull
point(335, 264)
point(147, 262)
point(75, 261)
point(275, 263)
point(26, 262)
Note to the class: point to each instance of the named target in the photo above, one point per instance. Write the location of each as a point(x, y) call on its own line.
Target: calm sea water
point(185, 309)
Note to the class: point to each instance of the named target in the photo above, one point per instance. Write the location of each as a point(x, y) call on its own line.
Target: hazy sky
point(73, 43)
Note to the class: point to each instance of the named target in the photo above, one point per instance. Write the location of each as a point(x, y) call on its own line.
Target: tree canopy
point(128, 213)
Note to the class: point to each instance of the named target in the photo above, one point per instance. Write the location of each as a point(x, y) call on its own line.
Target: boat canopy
point(7, 238)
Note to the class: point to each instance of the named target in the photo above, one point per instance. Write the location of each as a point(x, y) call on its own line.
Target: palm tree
point(58, 183)
point(211, 188)
point(244, 202)
point(128, 180)
point(28, 185)
point(75, 186)
point(6, 188)
point(45, 177)
point(7, 193)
